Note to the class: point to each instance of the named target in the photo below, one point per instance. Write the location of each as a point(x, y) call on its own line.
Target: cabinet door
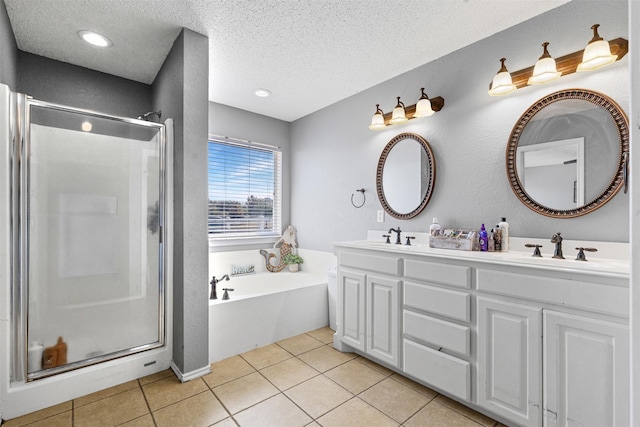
point(383, 307)
point(350, 308)
point(586, 371)
point(510, 360)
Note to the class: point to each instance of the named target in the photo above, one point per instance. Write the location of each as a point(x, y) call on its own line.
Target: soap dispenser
point(434, 228)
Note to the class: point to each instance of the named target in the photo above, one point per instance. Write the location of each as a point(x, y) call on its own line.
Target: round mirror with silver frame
point(567, 154)
point(406, 175)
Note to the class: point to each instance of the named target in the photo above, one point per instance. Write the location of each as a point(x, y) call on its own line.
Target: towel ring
point(364, 198)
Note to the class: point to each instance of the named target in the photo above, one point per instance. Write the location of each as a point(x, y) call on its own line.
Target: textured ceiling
point(309, 54)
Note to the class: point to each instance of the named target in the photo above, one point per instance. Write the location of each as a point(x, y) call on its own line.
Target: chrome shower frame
point(19, 167)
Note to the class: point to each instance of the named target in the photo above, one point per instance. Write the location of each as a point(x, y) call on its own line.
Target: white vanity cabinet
point(436, 325)
point(531, 343)
point(586, 371)
point(368, 304)
point(510, 360)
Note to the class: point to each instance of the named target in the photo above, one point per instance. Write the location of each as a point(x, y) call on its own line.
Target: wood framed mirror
point(567, 154)
point(406, 175)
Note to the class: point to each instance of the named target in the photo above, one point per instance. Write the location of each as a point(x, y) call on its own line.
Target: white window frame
point(237, 239)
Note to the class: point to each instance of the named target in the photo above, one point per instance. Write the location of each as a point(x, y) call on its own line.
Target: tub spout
point(213, 284)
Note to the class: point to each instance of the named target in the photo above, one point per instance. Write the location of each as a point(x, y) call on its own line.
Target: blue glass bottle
point(484, 243)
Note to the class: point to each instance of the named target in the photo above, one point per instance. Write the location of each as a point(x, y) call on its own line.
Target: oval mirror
point(567, 154)
point(406, 175)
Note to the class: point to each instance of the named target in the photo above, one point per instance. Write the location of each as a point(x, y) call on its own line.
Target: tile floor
point(300, 381)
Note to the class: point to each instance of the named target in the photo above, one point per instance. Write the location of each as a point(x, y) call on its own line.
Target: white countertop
point(606, 267)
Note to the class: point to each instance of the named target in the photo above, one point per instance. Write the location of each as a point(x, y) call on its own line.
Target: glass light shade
point(398, 115)
point(596, 55)
point(544, 71)
point(502, 84)
point(377, 122)
point(423, 108)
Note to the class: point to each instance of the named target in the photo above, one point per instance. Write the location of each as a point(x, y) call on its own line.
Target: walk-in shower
point(87, 225)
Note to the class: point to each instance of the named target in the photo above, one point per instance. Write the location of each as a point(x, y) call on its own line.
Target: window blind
point(244, 189)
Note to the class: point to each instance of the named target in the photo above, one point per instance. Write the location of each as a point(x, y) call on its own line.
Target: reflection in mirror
point(553, 172)
point(405, 176)
point(565, 154)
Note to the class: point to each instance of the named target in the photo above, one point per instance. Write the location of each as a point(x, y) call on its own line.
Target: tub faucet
point(398, 231)
point(213, 284)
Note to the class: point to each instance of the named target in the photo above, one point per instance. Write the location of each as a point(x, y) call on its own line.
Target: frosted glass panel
point(94, 237)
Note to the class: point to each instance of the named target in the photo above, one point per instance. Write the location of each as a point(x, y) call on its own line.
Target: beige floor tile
point(325, 358)
point(170, 390)
point(394, 399)
point(318, 395)
point(414, 386)
point(374, 365)
point(39, 415)
point(144, 421)
point(266, 356)
point(356, 413)
point(157, 376)
point(300, 344)
point(323, 334)
point(244, 392)
point(200, 410)
point(105, 393)
point(111, 411)
point(227, 422)
point(64, 419)
point(291, 372)
point(436, 414)
point(467, 412)
point(227, 370)
point(355, 376)
point(276, 411)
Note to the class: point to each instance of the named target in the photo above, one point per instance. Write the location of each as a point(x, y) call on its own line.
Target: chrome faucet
point(557, 239)
point(213, 284)
point(398, 231)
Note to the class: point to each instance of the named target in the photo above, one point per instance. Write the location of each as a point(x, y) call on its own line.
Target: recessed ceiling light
point(94, 39)
point(262, 93)
point(86, 126)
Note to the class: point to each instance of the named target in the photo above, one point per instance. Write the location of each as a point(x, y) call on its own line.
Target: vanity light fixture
point(377, 121)
point(399, 114)
point(94, 38)
point(597, 54)
point(545, 69)
point(423, 108)
point(502, 83)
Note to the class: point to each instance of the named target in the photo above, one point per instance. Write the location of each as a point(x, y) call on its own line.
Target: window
point(244, 189)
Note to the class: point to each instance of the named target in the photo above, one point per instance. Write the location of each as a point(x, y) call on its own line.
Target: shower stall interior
point(87, 225)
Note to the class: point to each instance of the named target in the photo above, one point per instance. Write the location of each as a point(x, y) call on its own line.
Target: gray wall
point(180, 91)
point(8, 50)
point(333, 152)
point(49, 80)
point(240, 124)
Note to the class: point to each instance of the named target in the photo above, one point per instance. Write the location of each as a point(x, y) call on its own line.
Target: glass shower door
point(92, 215)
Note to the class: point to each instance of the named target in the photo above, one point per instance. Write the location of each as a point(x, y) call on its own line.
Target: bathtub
point(265, 308)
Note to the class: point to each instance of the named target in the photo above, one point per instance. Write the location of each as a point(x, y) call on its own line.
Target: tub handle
point(226, 293)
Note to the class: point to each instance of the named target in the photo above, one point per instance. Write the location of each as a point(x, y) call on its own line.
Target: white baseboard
point(190, 375)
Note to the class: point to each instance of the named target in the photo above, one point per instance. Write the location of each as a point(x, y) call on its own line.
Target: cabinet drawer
point(380, 264)
point(598, 297)
point(440, 370)
point(447, 274)
point(446, 302)
point(437, 332)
